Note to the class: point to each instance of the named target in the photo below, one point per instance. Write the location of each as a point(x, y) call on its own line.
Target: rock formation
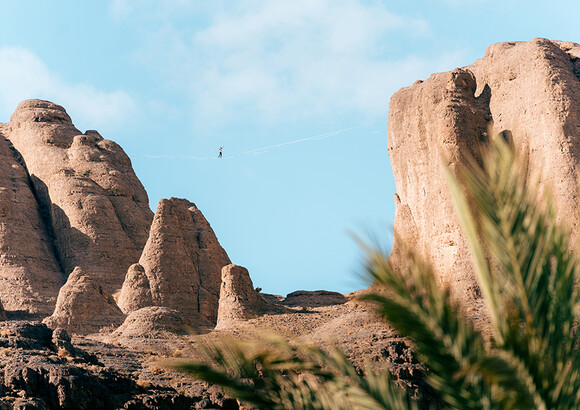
point(535, 94)
point(238, 298)
point(182, 261)
point(314, 298)
point(428, 122)
point(136, 290)
point(83, 306)
point(2, 313)
point(530, 89)
point(41, 369)
point(72, 201)
point(30, 276)
point(154, 322)
point(96, 208)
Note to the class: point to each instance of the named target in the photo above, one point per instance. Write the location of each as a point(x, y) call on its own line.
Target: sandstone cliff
point(530, 90)
point(96, 209)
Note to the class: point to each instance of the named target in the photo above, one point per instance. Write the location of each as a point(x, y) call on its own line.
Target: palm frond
point(272, 373)
point(524, 266)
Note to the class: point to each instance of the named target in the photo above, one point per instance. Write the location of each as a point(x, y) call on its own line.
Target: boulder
point(529, 90)
point(83, 306)
point(97, 210)
point(30, 276)
point(238, 298)
point(182, 261)
point(2, 313)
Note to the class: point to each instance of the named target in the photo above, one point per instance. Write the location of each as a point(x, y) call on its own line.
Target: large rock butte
point(530, 89)
point(182, 262)
point(96, 209)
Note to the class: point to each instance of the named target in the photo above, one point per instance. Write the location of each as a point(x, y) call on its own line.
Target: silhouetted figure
point(221, 151)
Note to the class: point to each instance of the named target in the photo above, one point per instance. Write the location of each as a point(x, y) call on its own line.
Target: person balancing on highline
point(220, 150)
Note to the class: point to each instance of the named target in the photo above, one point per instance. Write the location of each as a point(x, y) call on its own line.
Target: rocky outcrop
point(30, 276)
point(238, 298)
point(96, 208)
point(2, 313)
point(313, 298)
point(182, 261)
point(42, 369)
point(154, 322)
point(136, 290)
point(529, 90)
point(83, 306)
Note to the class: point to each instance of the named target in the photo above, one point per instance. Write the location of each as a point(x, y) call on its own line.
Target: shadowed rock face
point(182, 261)
point(30, 276)
point(530, 89)
point(96, 207)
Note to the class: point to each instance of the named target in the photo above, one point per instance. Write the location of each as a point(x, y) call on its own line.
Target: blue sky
point(171, 81)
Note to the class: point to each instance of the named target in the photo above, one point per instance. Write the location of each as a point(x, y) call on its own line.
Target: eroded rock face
point(238, 298)
point(182, 261)
point(535, 94)
point(30, 276)
point(530, 89)
point(136, 290)
point(97, 208)
point(83, 306)
point(434, 124)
